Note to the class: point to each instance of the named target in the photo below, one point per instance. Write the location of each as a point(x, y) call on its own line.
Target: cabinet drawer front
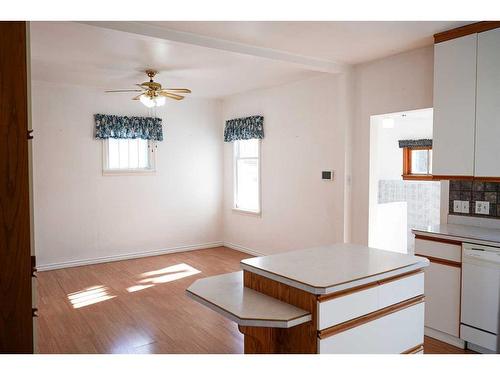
point(401, 289)
point(347, 307)
point(393, 333)
point(438, 250)
point(359, 303)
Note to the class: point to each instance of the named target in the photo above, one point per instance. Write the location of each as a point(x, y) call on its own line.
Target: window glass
point(247, 189)
point(128, 154)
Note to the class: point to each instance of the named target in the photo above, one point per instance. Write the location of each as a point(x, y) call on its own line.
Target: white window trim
point(128, 172)
point(235, 185)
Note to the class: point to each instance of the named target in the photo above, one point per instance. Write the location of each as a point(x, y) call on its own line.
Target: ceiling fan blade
point(170, 95)
point(132, 90)
point(137, 97)
point(186, 91)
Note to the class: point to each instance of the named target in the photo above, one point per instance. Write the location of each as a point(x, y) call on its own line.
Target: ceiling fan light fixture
point(160, 100)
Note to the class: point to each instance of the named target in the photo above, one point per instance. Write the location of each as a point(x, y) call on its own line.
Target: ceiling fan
point(152, 94)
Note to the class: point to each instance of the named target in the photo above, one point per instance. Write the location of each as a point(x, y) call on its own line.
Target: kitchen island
point(341, 298)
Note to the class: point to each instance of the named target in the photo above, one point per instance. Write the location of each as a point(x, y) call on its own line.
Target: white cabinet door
point(442, 298)
point(454, 106)
point(487, 163)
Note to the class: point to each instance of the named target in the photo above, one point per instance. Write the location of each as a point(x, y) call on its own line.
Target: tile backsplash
point(422, 199)
point(473, 191)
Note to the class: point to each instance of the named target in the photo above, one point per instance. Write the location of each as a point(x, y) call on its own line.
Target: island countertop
point(333, 268)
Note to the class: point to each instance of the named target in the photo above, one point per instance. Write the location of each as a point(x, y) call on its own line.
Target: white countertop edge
point(250, 322)
point(455, 237)
point(339, 287)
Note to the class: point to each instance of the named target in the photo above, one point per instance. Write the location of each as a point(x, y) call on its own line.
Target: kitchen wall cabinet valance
point(244, 128)
point(124, 127)
point(466, 130)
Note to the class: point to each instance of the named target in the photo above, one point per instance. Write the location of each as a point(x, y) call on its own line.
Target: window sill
point(128, 172)
point(418, 177)
point(247, 212)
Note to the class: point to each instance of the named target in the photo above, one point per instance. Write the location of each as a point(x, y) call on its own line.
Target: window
point(417, 163)
point(247, 175)
point(124, 156)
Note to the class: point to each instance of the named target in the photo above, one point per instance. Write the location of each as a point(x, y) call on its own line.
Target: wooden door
point(16, 323)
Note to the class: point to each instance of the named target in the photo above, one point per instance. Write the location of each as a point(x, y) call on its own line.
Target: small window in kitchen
point(247, 175)
point(128, 156)
point(417, 163)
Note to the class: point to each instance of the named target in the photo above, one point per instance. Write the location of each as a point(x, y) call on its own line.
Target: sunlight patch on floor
point(89, 296)
point(163, 275)
point(170, 273)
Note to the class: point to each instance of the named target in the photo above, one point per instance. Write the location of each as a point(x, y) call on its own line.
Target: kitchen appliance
point(480, 311)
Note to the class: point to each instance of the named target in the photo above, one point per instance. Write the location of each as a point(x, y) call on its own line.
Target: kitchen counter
point(462, 233)
point(328, 269)
point(341, 298)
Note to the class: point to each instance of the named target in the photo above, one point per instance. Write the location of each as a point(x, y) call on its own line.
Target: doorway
point(396, 205)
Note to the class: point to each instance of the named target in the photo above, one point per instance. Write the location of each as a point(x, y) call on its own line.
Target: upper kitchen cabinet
point(454, 106)
point(487, 155)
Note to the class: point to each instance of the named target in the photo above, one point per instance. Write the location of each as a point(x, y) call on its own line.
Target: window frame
point(151, 170)
point(407, 171)
point(235, 208)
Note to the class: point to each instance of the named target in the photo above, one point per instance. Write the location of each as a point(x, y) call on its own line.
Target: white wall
point(81, 214)
point(306, 127)
point(397, 83)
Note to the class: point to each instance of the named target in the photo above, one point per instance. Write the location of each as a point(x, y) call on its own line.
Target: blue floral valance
point(244, 128)
point(110, 126)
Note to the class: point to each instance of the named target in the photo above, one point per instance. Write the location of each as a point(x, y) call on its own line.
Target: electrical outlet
point(457, 206)
point(465, 207)
point(482, 208)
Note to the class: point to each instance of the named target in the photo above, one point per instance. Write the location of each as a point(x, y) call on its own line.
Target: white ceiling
point(351, 42)
point(92, 56)
point(214, 59)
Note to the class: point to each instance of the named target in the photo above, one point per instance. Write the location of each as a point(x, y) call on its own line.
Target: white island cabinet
point(487, 159)
point(341, 298)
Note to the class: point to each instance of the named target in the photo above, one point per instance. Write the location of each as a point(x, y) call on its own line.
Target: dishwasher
point(480, 305)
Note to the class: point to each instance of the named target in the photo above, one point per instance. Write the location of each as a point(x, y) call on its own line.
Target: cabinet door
point(454, 106)
point(487, 163)
point(442, 298)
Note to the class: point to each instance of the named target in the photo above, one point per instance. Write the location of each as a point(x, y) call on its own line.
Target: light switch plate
point(457, 206)
point(465, 207)
point(482, 208)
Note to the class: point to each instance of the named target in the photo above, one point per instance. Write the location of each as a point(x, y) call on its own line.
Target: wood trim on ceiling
point(438, 239)
point(444, 262)
point(472, 28)
point(328, 297)
point(325, 333)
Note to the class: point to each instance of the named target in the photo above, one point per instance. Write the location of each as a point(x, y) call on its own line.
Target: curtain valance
point(244, 128)
point(111, 126)
point(414, 143)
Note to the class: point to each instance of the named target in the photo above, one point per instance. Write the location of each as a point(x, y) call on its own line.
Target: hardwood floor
point(140, 306)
